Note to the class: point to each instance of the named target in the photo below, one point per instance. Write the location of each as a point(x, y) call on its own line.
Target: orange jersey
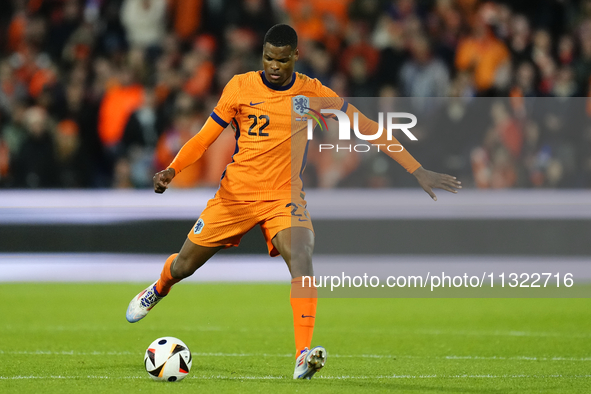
point(271, 135)
point(270, 152)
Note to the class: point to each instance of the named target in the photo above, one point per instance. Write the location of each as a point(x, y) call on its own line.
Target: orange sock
point(166, 280)
point(303, 303)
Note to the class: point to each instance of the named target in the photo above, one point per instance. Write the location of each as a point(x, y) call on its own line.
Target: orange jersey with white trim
point(271, 145)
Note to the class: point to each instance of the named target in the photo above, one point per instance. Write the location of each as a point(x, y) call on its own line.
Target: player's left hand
point(430, 180)
point(162, 179)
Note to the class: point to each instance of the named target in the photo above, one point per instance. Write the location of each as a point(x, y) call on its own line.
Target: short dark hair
point(282, 35)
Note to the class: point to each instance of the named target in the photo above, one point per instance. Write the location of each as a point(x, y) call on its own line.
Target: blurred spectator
point(361, 84)
point(110, 38)
point(198, 65)
point(122, 175)
point(69, 160)
point(520, 40)
point(388, 38)
point(559, 123)
point(186, 15)
point(35, 165)
point(482, 53)
point(582, 65)
point(564, 84)
point(44, 77)
point(566, 50)
point(444, 25)
point(360, 47)
point(307, 23)
point(318, 63)
point(254, 15)
point(495, 163)
point(80, 45)
point(62, 26)
point(525, 81)
point(242, 43)
point(144, 22)
point(17, 27)
point(78, 112)
point(542, 57)
point(423, 75)
point(144, 125)
point(14, 132)
point(139, 140)
point(119, 101)
point(366, 11)
point(360, 62)
point(450, 152)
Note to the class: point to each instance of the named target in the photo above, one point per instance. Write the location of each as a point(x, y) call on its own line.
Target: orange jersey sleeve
point(227, 106)
point(196, 146)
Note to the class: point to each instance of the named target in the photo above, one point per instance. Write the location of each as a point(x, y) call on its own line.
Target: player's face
point(278, 63)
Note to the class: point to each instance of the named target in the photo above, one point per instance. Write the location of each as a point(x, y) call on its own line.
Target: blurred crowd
point(103, 93)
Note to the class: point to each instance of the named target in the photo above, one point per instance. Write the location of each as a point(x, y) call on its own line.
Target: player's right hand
point(162, 179)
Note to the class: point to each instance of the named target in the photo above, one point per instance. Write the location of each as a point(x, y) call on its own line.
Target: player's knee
point(302, 255)
point(301, 266)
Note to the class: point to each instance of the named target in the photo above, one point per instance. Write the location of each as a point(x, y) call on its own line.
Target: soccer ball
point(168, 359)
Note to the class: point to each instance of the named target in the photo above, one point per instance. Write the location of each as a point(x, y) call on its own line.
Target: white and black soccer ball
point(168, 359)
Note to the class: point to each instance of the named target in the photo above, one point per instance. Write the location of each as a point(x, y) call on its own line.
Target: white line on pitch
point(378, 356)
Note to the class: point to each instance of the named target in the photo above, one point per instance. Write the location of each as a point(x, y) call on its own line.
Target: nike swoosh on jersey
point(253, 104)
point(308, 316)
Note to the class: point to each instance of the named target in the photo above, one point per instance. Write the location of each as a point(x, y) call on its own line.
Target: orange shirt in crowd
point(186, 16)
point(16, 32)
point(118, 104)
point(483, 56)
point(307, 16)
point(201, 79)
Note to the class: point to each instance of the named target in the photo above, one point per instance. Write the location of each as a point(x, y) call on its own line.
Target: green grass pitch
point(73, 338)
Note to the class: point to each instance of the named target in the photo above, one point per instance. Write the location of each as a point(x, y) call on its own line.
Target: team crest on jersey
point(301, 104)
point(198, 226)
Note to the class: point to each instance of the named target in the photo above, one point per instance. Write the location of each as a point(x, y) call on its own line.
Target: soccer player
point(262, 184)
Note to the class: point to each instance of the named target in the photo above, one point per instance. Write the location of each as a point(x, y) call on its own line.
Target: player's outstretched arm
point(430, 180)
point(162, 179)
